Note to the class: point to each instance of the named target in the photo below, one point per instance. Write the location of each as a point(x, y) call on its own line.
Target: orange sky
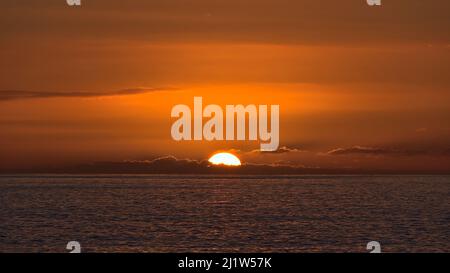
point(358, 86)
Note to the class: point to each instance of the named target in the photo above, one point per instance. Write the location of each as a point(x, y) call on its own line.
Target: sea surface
point(170, 213)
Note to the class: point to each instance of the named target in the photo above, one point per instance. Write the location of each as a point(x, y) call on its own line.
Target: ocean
point(174, 213)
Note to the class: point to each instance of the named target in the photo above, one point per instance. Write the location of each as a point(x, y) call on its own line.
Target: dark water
point(203, 213)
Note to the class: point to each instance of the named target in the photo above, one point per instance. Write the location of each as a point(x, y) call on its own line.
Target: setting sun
point(225, 159)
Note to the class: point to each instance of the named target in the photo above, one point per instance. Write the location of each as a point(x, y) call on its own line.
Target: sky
point(359, 87)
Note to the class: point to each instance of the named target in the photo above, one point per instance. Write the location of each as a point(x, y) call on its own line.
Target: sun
point(225, 159)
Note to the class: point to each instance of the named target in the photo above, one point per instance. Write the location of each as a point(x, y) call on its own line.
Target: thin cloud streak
point(376, 151)
point(6, 95)
point(281, 150)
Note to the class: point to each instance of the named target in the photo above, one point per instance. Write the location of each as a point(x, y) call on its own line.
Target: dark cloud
point(173, 165)
point(445, 152)
point(164, 165)
point(281, 150)
point(377, 151)
point(360, 150)
point(25, 94)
